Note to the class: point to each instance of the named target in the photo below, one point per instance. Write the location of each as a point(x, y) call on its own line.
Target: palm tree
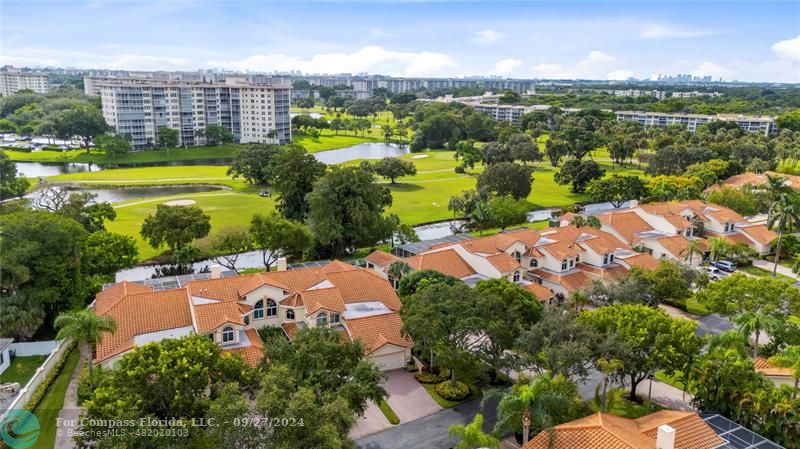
point(719, 247)
point(753, 323)
point(693, 247)
point(789, 358)
point(482, 216)
point(397, 270)
point(85, 327)
point(471, 436)
point(774, 188)
point(608, 367)
point(20, 315)
point(786, 215)
point(541, 402)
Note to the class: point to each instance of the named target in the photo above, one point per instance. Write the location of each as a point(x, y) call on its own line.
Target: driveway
point(407, 397)
point(372, 422)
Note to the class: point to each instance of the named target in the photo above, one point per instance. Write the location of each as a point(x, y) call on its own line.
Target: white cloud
point(715, 70)
point(596, 65)
point(665, 31)
point(788, 49)
point(378, 32)
point(506, 66)
point(487, 36)
point(619, 75)
point(373, 59)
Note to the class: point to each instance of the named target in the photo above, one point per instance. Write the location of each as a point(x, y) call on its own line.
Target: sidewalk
point(764, 265)
point(665, 395)
point(70, 411)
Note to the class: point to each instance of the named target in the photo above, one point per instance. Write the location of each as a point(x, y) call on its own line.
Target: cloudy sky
point(750, 41)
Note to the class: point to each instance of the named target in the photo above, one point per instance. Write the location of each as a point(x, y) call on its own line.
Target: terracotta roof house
point(665, 229)
point(559, 260)
point(754, 180)
point(666, 429)
point(778, 376)
point(356, 301)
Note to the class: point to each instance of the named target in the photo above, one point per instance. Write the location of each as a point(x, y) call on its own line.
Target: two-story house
point(229, 310)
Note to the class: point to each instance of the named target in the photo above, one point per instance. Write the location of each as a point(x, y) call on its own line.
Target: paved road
point(430, 431)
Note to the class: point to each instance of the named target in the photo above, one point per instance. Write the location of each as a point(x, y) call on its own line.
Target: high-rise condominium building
point(253, 110)
point(13, 82)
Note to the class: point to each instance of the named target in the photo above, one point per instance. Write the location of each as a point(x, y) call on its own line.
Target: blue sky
point(751, 41)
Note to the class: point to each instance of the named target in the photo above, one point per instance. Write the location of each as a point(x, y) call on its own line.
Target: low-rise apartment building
point(665, 229)
point(229, 310)
point(255, 111)
point(13, 82)
point(749, 123)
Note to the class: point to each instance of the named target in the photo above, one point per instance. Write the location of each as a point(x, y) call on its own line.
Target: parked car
point(725, 265)
point(265, 194)
point(715, 273)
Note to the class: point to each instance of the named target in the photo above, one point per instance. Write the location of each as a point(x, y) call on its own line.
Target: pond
point(41, 170)
point(116, 195)
point(371, 150)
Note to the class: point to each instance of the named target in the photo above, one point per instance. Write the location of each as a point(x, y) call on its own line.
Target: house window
point(322, 319)
point(227, 335)
point(564, 264)
point(246, 320)
point(334, 318)
point(210, 336)
point(516, 276)
point(272, 308)
point(534, 263)
point(571, 263)
point(611, 258)
point(605, 259)
point(517, 256)
point(289, 314)
point(258, 311)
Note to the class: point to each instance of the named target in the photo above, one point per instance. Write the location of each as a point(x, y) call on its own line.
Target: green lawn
point(474, 393)
point(623, 407)
point(330, 141)
point(390, 415)
point(694, 307)
point(760, 272)
point(225, 208)
point(22, 369)
point(53, 401)
point(184, 174)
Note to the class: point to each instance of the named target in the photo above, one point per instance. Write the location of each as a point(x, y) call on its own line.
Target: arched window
point(516, 276)
point(227, 335)
point(272, 308)
point(517, 256)
point(322, 319)
point(258, 311)
point(534, 263)
point(289, 314)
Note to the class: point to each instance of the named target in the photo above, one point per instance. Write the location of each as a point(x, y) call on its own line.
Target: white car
point(715, 273)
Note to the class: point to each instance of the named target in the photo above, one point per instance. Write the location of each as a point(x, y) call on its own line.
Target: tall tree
point(654, 340)
point(105, 253)
point(785, 218)
point(506, 178)
point(392, 168)
point(217, 134)
point(167, 137)
point(294, 173)
point(228, 243)
point(346, 210)
point(578, 174)
point(80, 121)
point(508, 211)
point(113, 145)
point(20, 315)
point(278, 237)
point(255, 163)
point(617, 189)
point(754, 323)
point(11, 184)
point(175, 226)
point(85, 327)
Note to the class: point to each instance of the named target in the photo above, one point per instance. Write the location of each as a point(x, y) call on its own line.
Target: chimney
point(665, 438)
point(633, 204)
point(216, 271)
point(282, 264)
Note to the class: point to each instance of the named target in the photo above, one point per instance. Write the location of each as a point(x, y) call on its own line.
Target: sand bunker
point(180, 203)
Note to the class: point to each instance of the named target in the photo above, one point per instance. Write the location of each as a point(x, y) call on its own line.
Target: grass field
point(22, 369)
point(623, 407)
point(390, 415)
point(760, 272)
point(417, 199)
point(47, 410)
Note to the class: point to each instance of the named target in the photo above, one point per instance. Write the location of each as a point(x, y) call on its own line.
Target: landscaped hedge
point(41, 390)
point(453, 391)
point(429, 378)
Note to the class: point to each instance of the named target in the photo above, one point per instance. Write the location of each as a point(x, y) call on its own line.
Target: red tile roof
point(211, 316)
point(381, 258)
point(541, 292)
point(766, 368)
point(378, 330)
point(252, 354)
point(444, 261)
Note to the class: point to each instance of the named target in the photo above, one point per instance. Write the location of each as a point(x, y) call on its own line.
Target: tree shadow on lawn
point(404, 187)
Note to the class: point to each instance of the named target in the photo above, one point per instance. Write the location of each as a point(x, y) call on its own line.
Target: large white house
point(229, 310)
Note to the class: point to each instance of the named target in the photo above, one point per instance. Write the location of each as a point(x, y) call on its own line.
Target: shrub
point(428, 378)
point(87, 384)
point(460, 169)
point(453, 391)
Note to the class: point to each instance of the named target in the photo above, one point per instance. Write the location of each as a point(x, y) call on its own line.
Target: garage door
point(386, 362)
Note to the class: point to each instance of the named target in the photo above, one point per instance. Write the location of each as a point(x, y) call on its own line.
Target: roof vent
point(665, 438)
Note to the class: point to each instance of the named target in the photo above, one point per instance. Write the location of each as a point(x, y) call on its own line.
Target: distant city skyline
point(755, 41)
